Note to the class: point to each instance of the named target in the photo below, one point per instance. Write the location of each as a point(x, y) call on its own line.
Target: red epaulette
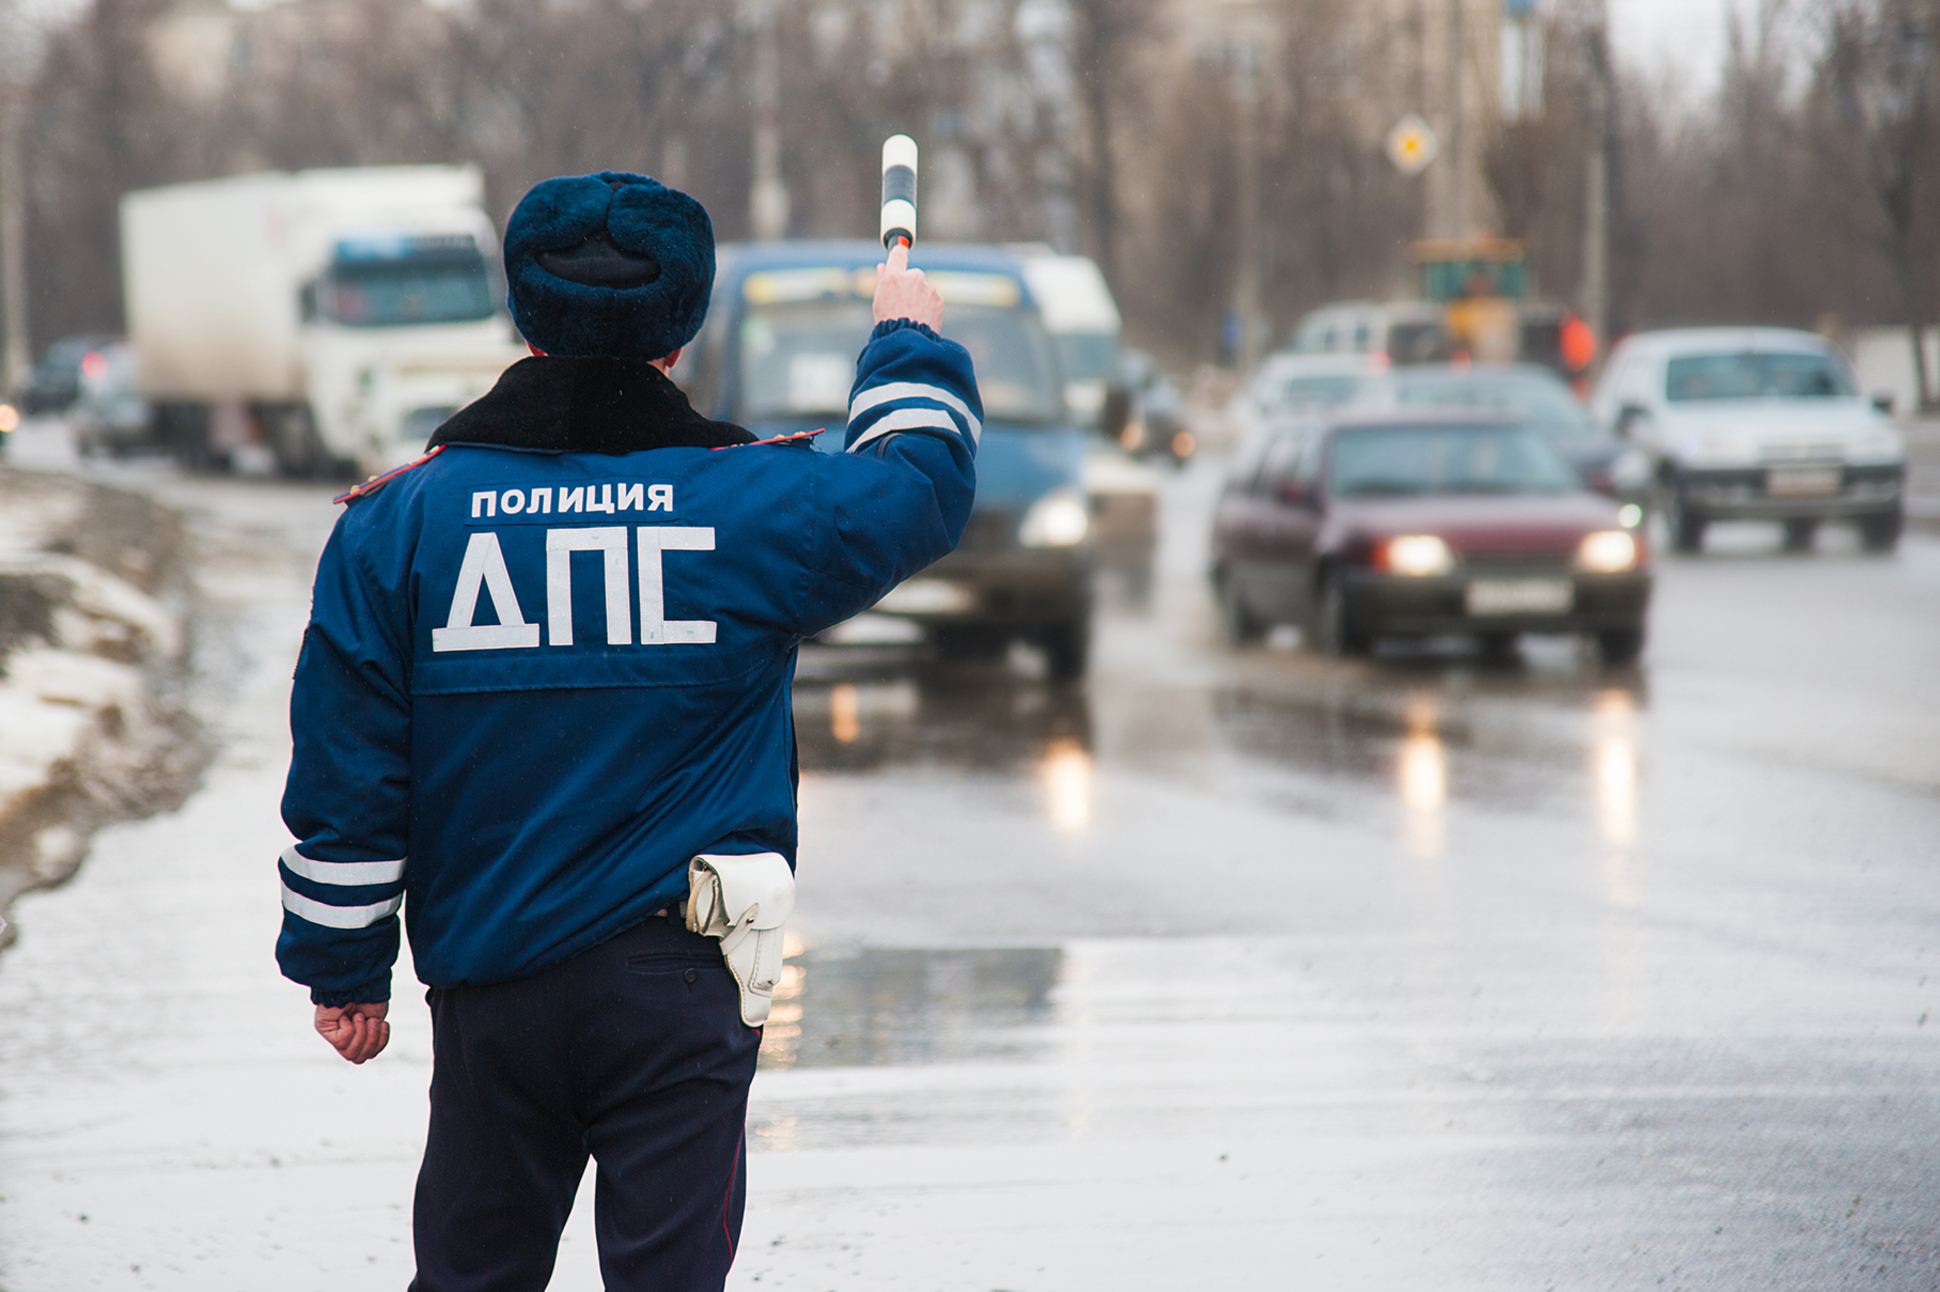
point(375, 483)
point(796, 438)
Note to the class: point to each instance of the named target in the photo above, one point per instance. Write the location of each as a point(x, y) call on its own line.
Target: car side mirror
point(1295, 493)
point(1884, 403)
point(1629, 415)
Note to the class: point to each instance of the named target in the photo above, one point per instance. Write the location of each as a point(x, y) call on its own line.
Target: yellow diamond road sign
point(1412, 146)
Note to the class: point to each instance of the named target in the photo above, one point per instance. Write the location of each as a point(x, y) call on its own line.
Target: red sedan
point(1423, 524)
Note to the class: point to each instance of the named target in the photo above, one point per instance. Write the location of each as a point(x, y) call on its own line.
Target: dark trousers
point(634, 1053)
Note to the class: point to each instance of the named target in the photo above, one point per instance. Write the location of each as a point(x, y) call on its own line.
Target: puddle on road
point(878, 1006)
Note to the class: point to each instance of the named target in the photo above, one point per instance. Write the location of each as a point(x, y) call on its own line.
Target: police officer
point(547, 666)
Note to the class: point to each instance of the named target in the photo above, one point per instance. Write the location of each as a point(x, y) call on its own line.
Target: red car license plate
point(1519, 597)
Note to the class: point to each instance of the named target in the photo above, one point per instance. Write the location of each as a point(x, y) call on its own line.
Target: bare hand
point(903, 293)
point(358, 1032)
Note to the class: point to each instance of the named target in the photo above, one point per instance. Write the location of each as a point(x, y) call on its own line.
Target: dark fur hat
point(611, 265)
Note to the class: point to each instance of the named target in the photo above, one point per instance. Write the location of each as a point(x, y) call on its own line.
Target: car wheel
point(1334, 631)
point(1685, 525)
point(1241, 625)
point(1067, 650)
point(1881, 533)
point(1799, 534)
point(1617, 646)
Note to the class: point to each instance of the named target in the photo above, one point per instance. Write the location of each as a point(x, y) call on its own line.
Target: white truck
point(326, 319)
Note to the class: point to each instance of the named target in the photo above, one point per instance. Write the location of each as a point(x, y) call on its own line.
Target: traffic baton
point(898, 191)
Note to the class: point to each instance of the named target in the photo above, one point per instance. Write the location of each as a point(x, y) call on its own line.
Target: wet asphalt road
point(1221, 970)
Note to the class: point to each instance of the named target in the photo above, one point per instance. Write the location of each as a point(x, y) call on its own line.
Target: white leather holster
point(744, 901)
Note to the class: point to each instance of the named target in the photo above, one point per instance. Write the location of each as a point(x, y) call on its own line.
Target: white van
point(1397, 332)
point(1084, 324)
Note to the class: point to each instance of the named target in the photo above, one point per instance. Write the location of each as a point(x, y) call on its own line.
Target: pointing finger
point(898, 258)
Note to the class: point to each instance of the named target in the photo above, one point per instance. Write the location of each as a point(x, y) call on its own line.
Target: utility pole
point(768, 196)
point(1594, 293)
point(1457, 215)
point(15, 354)
point(1247, 288)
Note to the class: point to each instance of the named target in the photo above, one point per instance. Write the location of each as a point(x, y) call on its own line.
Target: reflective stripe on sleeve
point(339, 917)
point(876, 396)
point(931, 420)
point(346, 873)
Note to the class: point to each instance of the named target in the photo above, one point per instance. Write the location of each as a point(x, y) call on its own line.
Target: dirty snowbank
point(93, 592)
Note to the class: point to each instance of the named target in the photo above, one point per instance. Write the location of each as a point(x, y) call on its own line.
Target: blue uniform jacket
point(549, 665)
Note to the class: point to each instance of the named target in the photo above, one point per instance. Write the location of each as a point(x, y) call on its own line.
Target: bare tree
point(1109, 42)
point(98, 125)
point(1880, 71)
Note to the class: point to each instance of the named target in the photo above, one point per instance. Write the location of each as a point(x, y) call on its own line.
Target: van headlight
point(1609, 551)
point(1060, 518)
point(1417, 555)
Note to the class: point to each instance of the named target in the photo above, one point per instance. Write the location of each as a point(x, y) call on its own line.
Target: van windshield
point(797, 359)
point(1411, 461)
point(1797, 374)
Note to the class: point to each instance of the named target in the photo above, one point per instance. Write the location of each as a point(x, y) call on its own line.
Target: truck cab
point(778, 354)
point(323, 318)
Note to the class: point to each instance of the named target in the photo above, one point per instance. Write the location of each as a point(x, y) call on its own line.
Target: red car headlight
point(1609, 551)
point(1416, 555)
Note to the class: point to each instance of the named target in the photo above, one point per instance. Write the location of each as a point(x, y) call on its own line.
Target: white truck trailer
point(331, 317)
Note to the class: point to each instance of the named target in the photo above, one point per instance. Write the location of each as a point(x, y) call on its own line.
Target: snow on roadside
point(93, 593)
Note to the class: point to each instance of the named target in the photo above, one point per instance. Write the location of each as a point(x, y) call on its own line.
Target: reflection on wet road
point(871, 1006)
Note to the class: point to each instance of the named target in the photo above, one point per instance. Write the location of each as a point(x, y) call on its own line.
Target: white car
point(1400, 332)
point(1287, 385)
point(1755, 423)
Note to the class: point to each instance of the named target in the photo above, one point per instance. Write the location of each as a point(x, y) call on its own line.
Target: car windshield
point(1412, 461)
point(1086, 356)
point(1794, 374)
point(798, 359)
point(404, 291)
point(1540, 402)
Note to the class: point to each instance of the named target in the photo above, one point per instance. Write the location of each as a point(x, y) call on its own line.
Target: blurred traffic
point(1420, 469)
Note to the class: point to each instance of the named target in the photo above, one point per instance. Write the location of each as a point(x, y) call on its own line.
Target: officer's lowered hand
point(903, 293)
point(358, 1032)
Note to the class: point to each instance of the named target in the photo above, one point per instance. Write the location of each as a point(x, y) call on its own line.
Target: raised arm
point(900, 495)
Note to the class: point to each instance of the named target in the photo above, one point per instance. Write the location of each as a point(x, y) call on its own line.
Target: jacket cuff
point(887, 326)
point(369, 993)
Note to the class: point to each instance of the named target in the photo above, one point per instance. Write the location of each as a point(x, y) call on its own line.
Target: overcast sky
point(1685, 36)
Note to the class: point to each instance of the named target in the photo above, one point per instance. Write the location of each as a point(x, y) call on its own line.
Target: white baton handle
point(898, 191)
